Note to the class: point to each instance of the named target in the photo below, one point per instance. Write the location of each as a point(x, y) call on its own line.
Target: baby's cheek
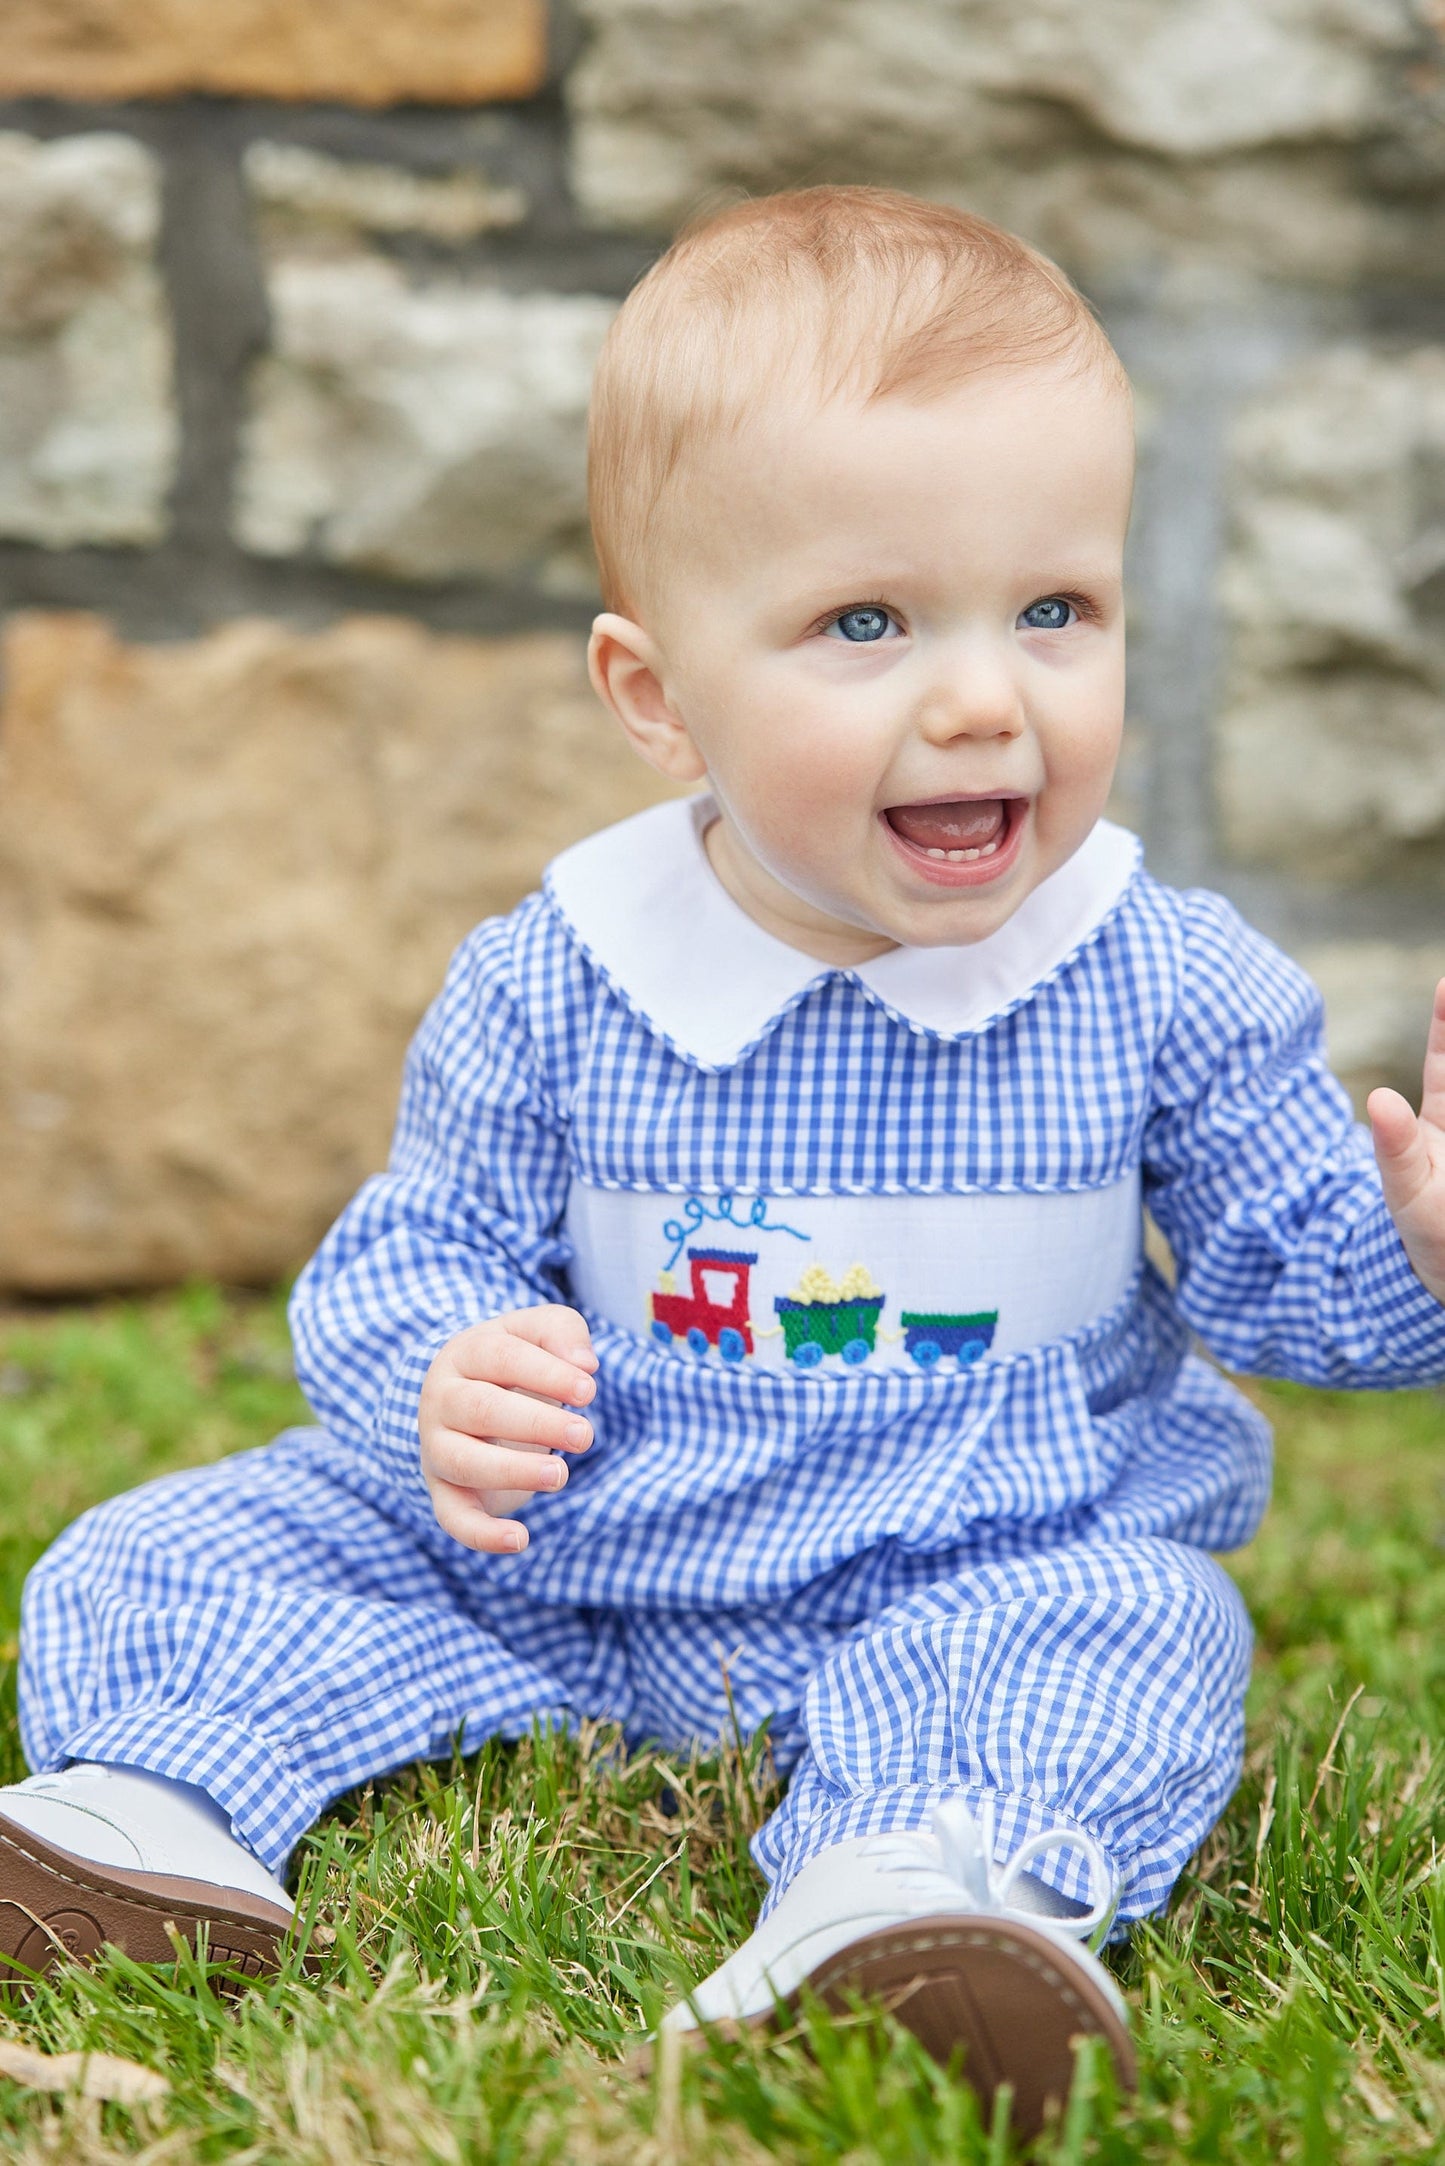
point(813, 820)
point(836, 773)
point(1082, 750)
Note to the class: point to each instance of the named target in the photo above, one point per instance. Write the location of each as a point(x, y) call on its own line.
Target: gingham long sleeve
point(1265, 1187)
point(464, 1224)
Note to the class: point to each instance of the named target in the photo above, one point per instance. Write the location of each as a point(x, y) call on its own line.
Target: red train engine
point(715, 1313)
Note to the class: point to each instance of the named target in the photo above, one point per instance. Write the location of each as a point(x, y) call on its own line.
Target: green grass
point(494, 1939)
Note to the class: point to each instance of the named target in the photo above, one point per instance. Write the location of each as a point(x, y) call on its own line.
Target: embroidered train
point(821, 1316)
point(715, 1313)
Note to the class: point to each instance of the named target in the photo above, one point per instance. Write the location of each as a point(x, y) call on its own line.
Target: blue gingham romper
point(901, 1445)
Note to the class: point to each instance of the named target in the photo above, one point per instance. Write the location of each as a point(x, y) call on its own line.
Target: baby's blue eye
point(1051, 615)
point(861, 625)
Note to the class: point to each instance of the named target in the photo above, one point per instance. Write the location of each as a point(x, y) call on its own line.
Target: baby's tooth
point(954, 856)
point(938, 853)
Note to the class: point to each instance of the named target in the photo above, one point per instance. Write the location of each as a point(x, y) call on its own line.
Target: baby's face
point(893, 638)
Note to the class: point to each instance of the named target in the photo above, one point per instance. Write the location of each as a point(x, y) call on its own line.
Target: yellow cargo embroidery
point(823, 1315)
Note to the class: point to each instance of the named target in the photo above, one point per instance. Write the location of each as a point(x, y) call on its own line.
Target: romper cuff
point(1409, 1320)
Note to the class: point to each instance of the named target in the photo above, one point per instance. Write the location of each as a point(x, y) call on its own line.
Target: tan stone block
point(231, 870)
point(365, 52)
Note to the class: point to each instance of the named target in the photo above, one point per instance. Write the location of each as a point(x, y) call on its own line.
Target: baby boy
point(800, 1132)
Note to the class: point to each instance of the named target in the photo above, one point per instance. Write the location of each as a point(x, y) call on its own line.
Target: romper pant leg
point(1102, 1686)
point(267, 1629)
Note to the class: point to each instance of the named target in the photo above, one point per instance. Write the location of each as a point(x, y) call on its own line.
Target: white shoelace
point(966, 1864)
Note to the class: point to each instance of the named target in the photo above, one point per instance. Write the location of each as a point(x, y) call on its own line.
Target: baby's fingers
point(1400, 1148)
point(561, 1330)
point(1432, 1103)
point(470, 1462)
point(460, 1515)
point(463, 1475)
point(497, 1353)
point(510, 1417)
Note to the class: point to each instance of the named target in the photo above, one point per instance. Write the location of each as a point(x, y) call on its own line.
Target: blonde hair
point(858, 292)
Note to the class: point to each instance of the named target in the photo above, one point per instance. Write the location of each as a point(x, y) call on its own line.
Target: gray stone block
point(1115, 134)
point(305, 198)
point(1378, 996)
point(1330, 746)
point(88, 434)
point(425, 430)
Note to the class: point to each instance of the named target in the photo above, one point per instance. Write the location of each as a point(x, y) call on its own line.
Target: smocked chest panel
point(837, 1282)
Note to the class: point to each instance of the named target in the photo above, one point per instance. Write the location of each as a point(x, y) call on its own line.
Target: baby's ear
point(625, 666)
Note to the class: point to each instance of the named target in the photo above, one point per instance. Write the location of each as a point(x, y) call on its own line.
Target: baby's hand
point(1411, 1153)
point(489, 1426)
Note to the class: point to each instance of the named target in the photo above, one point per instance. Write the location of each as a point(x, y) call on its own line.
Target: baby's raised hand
point(490, 1424)
point(1411, 1154)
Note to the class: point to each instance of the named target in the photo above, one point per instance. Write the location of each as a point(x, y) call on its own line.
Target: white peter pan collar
point(646, 905)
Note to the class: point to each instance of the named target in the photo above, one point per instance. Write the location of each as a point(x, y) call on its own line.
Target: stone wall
point(298, 307)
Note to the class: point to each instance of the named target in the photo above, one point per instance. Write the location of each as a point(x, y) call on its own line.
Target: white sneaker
point(96, 1854)
point(967, 1956)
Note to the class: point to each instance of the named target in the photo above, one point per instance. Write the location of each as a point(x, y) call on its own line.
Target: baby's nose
point(971, 703)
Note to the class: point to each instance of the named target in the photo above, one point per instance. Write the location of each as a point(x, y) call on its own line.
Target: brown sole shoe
point(57, 1908)
point(999, 1997)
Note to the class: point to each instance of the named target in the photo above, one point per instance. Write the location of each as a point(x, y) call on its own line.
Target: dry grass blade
point(1327, 1764)
point(93, 2075)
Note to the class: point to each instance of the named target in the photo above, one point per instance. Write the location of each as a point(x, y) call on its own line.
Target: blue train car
point(931, 1338)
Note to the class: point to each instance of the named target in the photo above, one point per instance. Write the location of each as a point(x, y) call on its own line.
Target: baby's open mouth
point(959, 829)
